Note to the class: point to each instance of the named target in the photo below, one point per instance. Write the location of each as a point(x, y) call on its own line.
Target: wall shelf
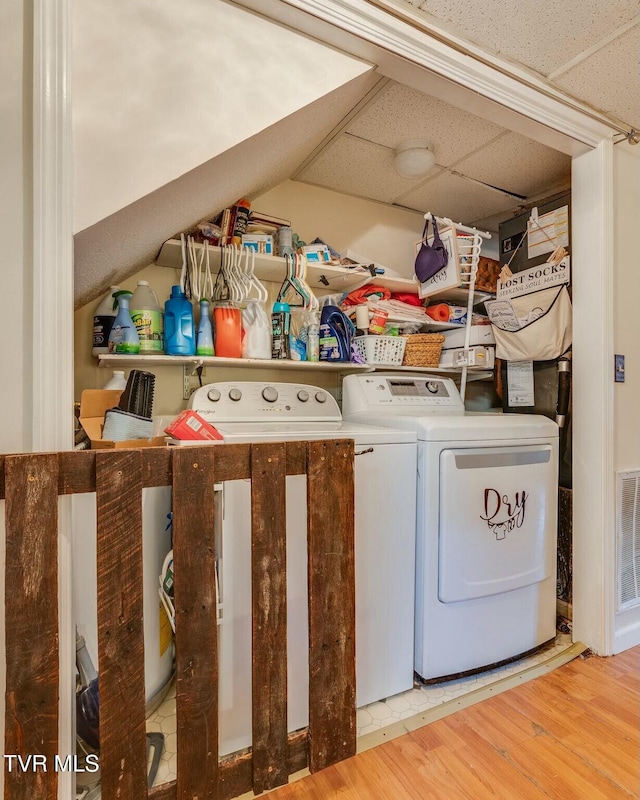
point(273, 268)
point(130, 362)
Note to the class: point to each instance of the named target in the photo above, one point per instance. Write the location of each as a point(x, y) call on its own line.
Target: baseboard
point(626, 637)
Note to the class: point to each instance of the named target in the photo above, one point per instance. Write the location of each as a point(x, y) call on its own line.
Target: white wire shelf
point(131, 361)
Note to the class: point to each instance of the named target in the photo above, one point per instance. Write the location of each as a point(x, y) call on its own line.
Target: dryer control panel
point(424, 395)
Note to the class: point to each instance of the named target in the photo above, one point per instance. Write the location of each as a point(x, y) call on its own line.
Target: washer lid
point(291, 431)
point(471, 427)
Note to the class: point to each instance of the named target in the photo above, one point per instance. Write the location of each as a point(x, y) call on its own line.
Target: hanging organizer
point(465, 245)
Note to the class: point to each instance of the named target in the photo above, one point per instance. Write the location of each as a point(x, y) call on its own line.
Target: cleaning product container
point(103, 318)
point(204, 338)
point(280, 324)
point(179, 330)
point(148, 317)
point(117, 380)
point(228, 333)
point(124, 338)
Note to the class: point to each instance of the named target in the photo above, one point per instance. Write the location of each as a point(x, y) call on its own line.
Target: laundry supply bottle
point(179, 330)
point(124, 338)
point(148, 317)
point(103, 318)
point(117, 380)
point(280, 322)
point(204, 338)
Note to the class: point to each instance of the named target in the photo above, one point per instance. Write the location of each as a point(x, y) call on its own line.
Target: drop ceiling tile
point(609, 78)
point(543, 35)
point(357, 167)
point(400, 113)
point(518, 165)
point(455, 197)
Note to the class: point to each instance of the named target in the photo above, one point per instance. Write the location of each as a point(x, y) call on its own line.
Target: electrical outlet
point(186, 382)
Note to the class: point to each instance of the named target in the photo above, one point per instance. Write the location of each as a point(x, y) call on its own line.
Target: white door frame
point(365, 30)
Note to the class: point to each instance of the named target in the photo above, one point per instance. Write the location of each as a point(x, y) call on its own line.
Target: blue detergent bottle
point(204, 339)
point(123, 337)
point(179, 329)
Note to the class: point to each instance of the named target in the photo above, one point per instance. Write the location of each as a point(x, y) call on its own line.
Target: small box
point(94, 403)
point(477, 357)
point(317, 253)
point(480, 334)
point(260, 242)
point(190, 426)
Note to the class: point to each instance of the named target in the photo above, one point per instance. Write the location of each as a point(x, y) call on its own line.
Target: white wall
point(627, 339)
point(161, 87)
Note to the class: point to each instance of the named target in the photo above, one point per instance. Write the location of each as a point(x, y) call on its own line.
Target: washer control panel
point(427, 394)
point(255, 401)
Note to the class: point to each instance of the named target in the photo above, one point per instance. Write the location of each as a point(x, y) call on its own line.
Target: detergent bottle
point(148, 317)
point(204, 339)
point(124, 338)
point(103, 318)
point(179, 330)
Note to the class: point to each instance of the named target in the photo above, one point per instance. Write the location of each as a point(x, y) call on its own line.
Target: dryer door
point(497, 521)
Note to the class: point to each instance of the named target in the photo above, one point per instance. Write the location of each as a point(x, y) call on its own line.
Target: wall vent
point(628, 539)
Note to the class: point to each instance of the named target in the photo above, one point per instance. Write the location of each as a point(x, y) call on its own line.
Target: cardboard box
point(480, 334)
point(190, 426)
point(94, 403)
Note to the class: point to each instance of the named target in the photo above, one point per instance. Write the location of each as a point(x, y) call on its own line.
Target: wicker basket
point(487, 274)
point(381, 350)
point(423, 350)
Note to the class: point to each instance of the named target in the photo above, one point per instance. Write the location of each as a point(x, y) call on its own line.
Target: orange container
point(228, 331)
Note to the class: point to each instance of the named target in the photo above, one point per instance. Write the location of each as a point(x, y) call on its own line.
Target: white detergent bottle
point(117, 380)
point(103, 318)
point(148, 317)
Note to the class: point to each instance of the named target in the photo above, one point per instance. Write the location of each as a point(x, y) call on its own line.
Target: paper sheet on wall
point(520, 383)
point(548, 232)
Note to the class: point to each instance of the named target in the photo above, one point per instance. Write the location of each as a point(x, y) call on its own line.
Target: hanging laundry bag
point(545, 326)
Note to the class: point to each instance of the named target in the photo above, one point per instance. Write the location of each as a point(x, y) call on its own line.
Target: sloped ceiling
point(120, 245)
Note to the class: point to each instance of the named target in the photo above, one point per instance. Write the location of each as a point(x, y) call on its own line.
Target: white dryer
point(486, 521)
point(385, 463)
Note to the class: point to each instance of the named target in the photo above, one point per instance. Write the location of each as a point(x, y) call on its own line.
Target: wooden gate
point(32, 484)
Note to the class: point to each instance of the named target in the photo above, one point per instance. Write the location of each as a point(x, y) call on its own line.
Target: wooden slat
point(31, 624)
point(123, 762)
point(269, 614)
point(332, 682)
point(235, 776)
point(196, 624)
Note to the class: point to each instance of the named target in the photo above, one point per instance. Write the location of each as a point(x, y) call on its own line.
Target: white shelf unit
point(273, 268)
point(130, 362)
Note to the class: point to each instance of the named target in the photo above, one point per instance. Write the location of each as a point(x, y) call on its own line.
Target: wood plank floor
point(573, 733)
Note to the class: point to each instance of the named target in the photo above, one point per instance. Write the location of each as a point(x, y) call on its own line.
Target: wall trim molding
point(52, 310)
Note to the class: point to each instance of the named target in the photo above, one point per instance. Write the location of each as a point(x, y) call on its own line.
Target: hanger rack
point(468, 247)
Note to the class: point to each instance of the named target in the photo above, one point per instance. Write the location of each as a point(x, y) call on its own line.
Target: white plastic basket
point(381, 350)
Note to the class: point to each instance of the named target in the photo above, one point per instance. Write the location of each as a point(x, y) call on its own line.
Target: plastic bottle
point(241, 211)
point(148, 317)
point(280, 321)
point(117, 380)
point(103, 318)
point(124, 338)
point(179, 331)
point(204, 339)
point(313, 339)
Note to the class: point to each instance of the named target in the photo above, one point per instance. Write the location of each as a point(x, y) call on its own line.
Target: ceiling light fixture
point(414, 158)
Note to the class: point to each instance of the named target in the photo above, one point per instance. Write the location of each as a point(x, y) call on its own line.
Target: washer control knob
point(321, 397)
point(214, 395)
point(235, 395)
point(432, 386)
point(303, 395)
point(270, 394)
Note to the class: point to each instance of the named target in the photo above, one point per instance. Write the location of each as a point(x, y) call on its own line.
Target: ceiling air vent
point(628, 539)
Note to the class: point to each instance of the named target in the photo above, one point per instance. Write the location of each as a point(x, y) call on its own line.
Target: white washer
point(486, 521)
point(385, 465)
